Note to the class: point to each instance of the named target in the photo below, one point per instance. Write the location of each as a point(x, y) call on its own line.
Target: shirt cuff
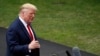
point(29, 51)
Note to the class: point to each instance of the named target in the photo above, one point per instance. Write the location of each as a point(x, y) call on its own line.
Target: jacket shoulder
point(15, 24)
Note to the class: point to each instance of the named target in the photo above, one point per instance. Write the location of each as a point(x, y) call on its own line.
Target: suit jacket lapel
point(24, 29)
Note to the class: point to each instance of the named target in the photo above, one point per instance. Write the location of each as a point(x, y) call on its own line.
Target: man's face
point(29, 16)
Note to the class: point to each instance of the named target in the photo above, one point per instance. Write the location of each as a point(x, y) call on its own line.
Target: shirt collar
point(24, 23)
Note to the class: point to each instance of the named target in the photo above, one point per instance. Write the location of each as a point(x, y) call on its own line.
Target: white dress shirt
point(25, 25)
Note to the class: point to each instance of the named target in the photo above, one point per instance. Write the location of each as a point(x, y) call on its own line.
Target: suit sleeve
point(13, 43)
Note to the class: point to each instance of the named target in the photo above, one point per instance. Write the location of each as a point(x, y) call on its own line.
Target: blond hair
point(28, 6)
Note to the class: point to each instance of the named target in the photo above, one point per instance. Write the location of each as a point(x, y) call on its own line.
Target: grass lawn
point(67, 22)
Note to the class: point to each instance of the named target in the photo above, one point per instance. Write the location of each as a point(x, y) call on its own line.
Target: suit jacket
point(17, 39)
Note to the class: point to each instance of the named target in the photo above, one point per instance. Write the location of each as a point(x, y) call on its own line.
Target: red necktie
point(30, 33)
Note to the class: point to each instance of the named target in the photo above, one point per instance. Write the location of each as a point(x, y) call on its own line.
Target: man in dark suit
point(20, 37)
